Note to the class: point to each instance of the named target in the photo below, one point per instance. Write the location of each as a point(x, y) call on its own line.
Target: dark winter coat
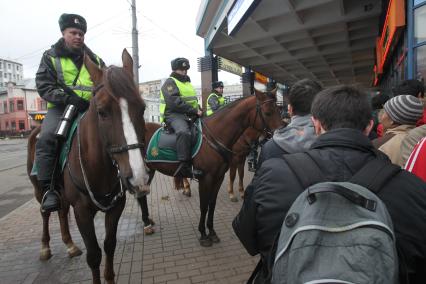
point(340, 154)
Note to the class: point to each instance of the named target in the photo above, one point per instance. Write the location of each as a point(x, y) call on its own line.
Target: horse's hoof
point(45, 254)
point(74, 251)
point(148, 230)
point(214, 238)
point(186, 193)
point(205, 242)
point(234, 199)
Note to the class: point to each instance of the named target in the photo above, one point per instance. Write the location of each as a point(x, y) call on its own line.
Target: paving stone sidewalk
point(171, 255)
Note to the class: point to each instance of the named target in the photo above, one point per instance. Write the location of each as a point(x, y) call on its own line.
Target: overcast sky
point(166, 31)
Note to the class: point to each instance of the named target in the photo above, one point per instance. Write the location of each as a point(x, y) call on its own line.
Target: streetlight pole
point(135, 46)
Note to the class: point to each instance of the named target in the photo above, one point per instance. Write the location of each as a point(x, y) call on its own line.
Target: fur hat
point(72, 21)
point(404, 109)
point(217, 84)
point(180, 63)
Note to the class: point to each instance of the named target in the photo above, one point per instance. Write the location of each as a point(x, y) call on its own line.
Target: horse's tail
point(31, 148)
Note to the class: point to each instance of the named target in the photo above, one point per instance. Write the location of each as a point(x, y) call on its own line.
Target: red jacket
point(423, 119)
point(417, 161)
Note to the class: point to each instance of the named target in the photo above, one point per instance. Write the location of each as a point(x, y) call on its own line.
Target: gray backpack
point(337, 232)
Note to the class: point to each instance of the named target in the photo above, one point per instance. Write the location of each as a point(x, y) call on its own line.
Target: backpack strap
point(305, 168)
point(375, 174)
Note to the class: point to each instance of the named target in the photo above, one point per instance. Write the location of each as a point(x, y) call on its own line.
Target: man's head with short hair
point(301, 95)
point(377, 102)
point(410, 87)
point(342, 107)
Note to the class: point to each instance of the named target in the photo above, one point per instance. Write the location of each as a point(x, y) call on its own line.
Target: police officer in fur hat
point(178, 109)
point(215, 100)
point(61, 65)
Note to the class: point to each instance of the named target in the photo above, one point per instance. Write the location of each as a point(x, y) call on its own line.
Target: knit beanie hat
point(404, 109)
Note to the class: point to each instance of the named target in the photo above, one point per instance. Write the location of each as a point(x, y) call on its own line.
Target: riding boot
point(185, 170)
point(51, 200)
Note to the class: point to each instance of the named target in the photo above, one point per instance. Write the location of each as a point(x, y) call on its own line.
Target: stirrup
point(53, 209)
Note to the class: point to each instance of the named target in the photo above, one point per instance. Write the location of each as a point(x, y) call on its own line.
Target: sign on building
point(229, 66)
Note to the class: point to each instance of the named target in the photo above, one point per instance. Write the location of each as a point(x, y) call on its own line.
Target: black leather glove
point(81, 104)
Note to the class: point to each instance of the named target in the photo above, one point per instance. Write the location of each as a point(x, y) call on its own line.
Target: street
point(15, 187)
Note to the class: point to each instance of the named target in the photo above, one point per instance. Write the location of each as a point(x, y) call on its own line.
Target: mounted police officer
point(178, 109)
point(215, 100)
point(62, 80)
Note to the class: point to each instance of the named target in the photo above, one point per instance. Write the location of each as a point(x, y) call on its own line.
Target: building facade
point(10, 71)
point(21, 108)
point(401, 44)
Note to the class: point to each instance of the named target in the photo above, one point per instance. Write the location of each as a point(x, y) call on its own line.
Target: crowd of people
point(340, 132)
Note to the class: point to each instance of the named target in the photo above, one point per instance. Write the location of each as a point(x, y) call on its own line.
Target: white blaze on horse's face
point(140, 177)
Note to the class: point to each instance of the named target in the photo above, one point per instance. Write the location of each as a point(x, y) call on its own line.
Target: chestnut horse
point(241, 150)
point(105, 158)
point(220, 132)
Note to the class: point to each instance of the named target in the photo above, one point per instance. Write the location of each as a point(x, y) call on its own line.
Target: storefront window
point(417, 2)
point(420, 24)
point(421, 63)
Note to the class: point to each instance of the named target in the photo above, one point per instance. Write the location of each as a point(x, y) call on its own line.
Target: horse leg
point(232, 173)
point(210, 217)
point(241, 180)
point(111, 222)
point(204, 193)
point(86, 226)
point(186, 187)
point(72, 250)
point(148, 222)
point(45, 252)
point(178, 183)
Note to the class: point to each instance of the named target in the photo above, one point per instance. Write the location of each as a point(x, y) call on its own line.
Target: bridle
point(221, 148)
point(111, 150)
point(117, 149)
point(265, 128)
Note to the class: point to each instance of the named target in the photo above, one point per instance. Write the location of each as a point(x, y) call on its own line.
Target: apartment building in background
point(10, 71)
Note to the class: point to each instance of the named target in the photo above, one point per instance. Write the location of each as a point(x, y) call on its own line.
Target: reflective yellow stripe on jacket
point(67, 71)
point(219, 98)
point(187, 93)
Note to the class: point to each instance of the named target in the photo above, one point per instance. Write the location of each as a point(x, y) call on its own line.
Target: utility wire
point(37, 52)
point(170, 34)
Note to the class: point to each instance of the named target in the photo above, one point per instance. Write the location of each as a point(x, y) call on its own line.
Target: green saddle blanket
point(65, 149)
point(159, 151)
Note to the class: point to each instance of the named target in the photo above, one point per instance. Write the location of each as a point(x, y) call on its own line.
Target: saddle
point(65, 148)
point(162, 146)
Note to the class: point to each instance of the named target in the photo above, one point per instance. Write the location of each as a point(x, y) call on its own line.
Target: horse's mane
point(121, 85)
point(228, 107)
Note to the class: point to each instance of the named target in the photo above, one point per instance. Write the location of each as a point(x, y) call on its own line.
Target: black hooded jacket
point(46, 79)
point(340, 154)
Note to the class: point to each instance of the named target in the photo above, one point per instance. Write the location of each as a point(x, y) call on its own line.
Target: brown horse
point(106, 158)
point(241, 149)
point(220, 132)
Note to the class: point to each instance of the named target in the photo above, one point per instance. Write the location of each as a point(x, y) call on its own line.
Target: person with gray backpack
point(338, 213)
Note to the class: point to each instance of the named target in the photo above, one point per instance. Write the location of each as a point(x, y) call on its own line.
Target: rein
point(220, 147)
point(111, 150)
point(224, 151)
point(259, 113)
point(86, 182)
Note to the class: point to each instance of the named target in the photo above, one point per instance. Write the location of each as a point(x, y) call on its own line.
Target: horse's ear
point(274, 91)
point(127, 63)
point(94, 71)
point(258, 93)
